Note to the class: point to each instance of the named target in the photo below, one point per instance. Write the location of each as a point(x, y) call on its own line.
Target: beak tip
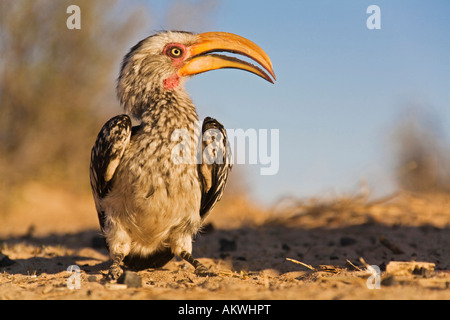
point(274, 78)
point(210, 42)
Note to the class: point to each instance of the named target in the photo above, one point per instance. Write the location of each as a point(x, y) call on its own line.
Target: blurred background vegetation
point(57, 88)
point(421, 155)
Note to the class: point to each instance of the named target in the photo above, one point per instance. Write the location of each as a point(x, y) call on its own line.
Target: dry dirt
point(247, 247)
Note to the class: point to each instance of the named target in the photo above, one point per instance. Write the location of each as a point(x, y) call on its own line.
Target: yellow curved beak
point(202, 57)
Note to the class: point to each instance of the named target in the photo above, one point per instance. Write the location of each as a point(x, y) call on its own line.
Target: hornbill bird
point(149, 204)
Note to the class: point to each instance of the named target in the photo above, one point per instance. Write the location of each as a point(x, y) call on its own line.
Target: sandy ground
point(255, 253)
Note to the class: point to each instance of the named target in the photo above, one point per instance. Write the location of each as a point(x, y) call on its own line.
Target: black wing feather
point(106, 154)
point(215, 166)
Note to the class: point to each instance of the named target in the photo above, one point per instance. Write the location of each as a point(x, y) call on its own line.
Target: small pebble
point(131, 279)
point(115, 286)
point(92, 278)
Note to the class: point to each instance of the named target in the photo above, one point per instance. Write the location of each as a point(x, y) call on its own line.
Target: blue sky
point(341, 87)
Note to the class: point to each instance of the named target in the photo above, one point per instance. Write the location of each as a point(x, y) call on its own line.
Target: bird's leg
point(119, 244)
point(115, 271)
point(200, 269)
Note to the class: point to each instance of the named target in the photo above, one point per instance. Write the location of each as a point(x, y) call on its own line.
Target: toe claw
point(114, 273)
point(202, 271)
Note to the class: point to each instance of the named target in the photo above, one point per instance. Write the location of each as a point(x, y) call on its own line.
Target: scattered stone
point(92, 278)
point(115, 286)
point(404, 268)
point(131, 279)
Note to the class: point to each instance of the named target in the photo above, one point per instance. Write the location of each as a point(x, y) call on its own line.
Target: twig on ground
point(301, 263)
point(361, 259)
point(356, 267)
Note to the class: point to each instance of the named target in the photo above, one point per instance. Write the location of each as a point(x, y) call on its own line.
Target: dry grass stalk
point(301, 263)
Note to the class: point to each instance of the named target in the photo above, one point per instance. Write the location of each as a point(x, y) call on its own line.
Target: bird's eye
point(175, 52)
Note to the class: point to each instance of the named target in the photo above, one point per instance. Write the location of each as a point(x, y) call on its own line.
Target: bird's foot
point(202, 271)
point(114, 273)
